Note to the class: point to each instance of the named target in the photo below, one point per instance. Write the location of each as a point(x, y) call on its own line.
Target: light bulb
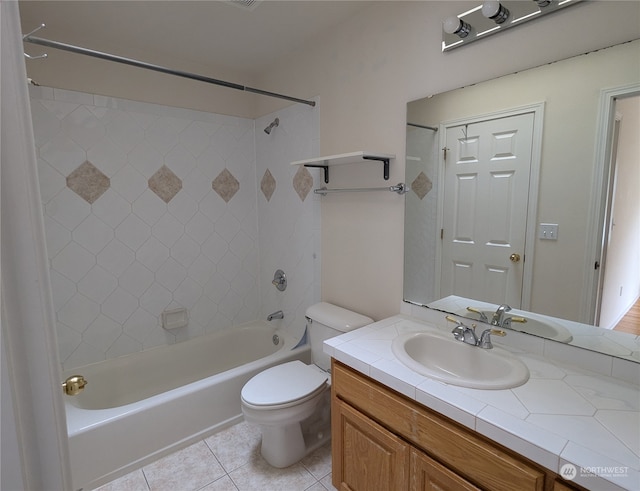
point(454, 25)
point(495, 11)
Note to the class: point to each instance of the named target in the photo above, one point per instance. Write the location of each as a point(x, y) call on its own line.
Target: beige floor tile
point(223, 484)
point(318, 462)
point(134, 481)
point(188, 469)
point(316, 487)
point(236, 446)
point(259, 475)
point(228, 461)
point(326, 482)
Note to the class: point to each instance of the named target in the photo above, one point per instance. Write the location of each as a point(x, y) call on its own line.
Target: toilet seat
point(283, 386)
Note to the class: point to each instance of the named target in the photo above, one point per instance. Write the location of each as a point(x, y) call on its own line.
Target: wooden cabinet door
point(429, 475)
point(366, 456)
point(559, 485)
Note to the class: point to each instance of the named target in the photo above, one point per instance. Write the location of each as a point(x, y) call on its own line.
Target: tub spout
point(276, 315)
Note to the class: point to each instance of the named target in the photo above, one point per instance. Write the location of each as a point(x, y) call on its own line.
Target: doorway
point(620, 260)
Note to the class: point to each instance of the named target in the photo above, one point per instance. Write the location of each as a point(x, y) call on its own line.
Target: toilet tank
point(324, 321)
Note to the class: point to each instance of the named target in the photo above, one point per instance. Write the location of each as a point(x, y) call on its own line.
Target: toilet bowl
point(291, 402)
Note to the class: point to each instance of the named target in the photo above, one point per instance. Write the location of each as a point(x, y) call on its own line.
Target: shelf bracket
point(319, 166)
point(385, 162)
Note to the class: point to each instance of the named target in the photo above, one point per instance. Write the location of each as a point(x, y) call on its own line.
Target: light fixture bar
point(493, 16)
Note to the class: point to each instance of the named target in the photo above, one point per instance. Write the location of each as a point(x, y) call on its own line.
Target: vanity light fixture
point(495, 11)
point(454, 25)
point(492, 16)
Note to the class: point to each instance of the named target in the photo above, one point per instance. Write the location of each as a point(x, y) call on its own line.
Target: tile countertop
point(563, 415)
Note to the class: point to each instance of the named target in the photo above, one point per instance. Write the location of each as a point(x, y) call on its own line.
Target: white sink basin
point(546, 329)
point(458, 363)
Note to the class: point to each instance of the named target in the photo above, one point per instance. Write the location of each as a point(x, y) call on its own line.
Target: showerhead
point(275, 123)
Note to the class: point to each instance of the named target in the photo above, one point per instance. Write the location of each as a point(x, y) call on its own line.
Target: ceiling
point(215, 33)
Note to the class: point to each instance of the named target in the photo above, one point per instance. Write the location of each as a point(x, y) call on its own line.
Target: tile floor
point(228, 461)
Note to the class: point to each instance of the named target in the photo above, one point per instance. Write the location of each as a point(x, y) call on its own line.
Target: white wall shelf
point(347, 158)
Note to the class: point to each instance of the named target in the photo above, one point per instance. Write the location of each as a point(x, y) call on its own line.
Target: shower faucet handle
point(280, 280)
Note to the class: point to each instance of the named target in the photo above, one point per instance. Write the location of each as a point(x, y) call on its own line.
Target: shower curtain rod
point(157, 68)
point(423, 126)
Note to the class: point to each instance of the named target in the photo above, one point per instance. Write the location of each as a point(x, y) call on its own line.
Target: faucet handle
point(463, 332)
point(485, 337)
point(280, 280)
point(480, 313)
point(459, 324)
point(458, 331)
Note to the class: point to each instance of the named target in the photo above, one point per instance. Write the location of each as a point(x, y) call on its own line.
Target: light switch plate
point(548, 231)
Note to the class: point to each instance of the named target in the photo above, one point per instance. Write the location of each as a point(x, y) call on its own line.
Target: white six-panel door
point(486, 188)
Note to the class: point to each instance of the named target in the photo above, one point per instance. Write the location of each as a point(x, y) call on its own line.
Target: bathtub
point(140, 407)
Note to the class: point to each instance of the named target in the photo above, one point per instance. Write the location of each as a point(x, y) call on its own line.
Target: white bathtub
point(140, 407)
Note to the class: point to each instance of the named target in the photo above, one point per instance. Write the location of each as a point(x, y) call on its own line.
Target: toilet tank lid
point(336, 317)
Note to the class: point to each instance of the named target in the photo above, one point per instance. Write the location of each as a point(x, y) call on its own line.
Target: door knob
point(515, 257)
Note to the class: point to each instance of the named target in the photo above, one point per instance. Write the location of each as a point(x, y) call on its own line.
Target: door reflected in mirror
point(575, 195)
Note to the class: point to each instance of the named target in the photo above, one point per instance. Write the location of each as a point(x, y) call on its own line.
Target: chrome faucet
point(468, 334)
point(276, 315)
point(498, 317)
point(464, 333)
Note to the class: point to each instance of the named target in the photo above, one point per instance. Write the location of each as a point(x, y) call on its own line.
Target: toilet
point(291, 402)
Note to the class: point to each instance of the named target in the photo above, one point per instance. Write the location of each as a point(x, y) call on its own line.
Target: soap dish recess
point(174, 319)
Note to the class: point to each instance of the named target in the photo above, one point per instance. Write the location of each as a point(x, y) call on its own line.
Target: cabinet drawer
point(458, 448)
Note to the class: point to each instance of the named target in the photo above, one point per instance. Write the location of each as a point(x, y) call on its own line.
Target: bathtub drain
point(276, 339)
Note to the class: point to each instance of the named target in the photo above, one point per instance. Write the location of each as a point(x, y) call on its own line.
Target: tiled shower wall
point(421, 210)
point(149, 208)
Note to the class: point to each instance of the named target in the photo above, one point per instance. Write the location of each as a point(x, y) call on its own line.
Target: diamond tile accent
point(421, 185)
point(302, 182)
point(88, 182)
point(268, 185)
point(165, 184)
point(225, 185)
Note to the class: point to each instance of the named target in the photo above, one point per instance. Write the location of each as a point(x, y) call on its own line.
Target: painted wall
point(571, 93)
point(365, 71)
point(622, 273)
point(139, 220)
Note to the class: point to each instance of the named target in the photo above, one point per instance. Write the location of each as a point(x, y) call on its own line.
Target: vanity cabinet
point(385, 441)
point(371, 457)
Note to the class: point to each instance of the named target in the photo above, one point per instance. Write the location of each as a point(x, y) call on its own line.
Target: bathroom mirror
point(549, 269)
